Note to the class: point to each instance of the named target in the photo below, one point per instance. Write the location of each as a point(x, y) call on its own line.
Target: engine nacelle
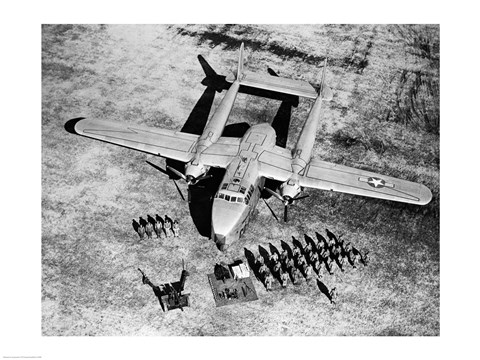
point(290, 189)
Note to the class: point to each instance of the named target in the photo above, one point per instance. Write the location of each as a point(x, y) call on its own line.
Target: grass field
point(384, 117)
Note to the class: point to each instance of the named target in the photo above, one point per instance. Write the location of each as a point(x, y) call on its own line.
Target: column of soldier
point(293, 264)
point(161, 227)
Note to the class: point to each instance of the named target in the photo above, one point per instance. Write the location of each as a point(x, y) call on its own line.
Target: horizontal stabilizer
point(278, 84)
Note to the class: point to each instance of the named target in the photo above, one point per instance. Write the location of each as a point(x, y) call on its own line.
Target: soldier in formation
point(175, 228)
point(168, 227)
point(159, 230)
point(141, 231)
point(149, 229)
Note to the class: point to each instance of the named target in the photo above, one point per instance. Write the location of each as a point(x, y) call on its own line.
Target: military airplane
point(254, 157)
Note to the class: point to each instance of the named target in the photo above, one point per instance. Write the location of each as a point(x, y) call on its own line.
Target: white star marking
point(376, 182)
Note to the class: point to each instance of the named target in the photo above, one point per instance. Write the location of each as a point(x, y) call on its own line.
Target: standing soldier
point(284, 256)
point(294, 274)
point(316, 267)
point(307, 247)
point(289, 264)
point(296, 250)
point(175, 228)
point(312, 257)
point(263, 269)
point(276, 267)
point(284, 279)
point(333, 296)
point(356, 257)
point(329, 264)
point(268, 281)
point(141, 231)
point(159, 229)
point(308, 270)
point(260, 261)
point(274, 257)
point(300, 260)
point(149, 229)
point(168, 227)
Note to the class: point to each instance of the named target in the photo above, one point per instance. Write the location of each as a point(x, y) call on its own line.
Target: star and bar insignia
point(376, 182)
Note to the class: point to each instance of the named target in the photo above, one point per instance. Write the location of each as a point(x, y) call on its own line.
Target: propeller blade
point(204, 177)
point(275, 216)
point(277, 195)
point(157, 167)
point(285, 212)
point(179, 191)
point(176, 172)
point(300, 197)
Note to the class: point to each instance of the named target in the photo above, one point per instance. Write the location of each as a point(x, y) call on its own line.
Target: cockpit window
point(227, 197)
point(221, 196)
point(233, 199)
point(240, 200)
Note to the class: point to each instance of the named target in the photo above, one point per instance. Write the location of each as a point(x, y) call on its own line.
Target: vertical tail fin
point(240, 63)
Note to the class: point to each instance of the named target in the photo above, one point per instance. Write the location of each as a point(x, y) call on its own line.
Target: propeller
point(166, 173)
point(191, 180)
point(286, 199)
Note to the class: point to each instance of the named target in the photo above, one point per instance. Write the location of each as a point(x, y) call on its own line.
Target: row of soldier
point(161, 227)
point(305, 260)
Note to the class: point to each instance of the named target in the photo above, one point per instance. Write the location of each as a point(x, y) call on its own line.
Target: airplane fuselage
point(240, 189)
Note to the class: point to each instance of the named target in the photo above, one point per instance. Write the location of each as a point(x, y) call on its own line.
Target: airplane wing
point(222, 152)
point(332, 177)
point(327, 176)
point(166, 143)
point(276, 164)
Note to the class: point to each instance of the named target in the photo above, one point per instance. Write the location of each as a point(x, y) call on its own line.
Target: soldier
point(296, 251)
point(289, 264)
point(307, 248)
point(168, 227)
point(335, 252)
point(325, 253)
point(341, 262)
point(312, 257)
point(317, 266)
point(284, 256)
point(141, 231)
point(329, 264)
point(294, 274)
point(308, 270)
point(175, 228)
point(263, 269)
point(274, 257)
point(356, 257)
point(259, 259)
point(276, 267)
point(300, 260)
point(333, 296)
point(284, 279)
point(149, 229)
point(159, 229)
point(268, 282)
point(347, 250)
